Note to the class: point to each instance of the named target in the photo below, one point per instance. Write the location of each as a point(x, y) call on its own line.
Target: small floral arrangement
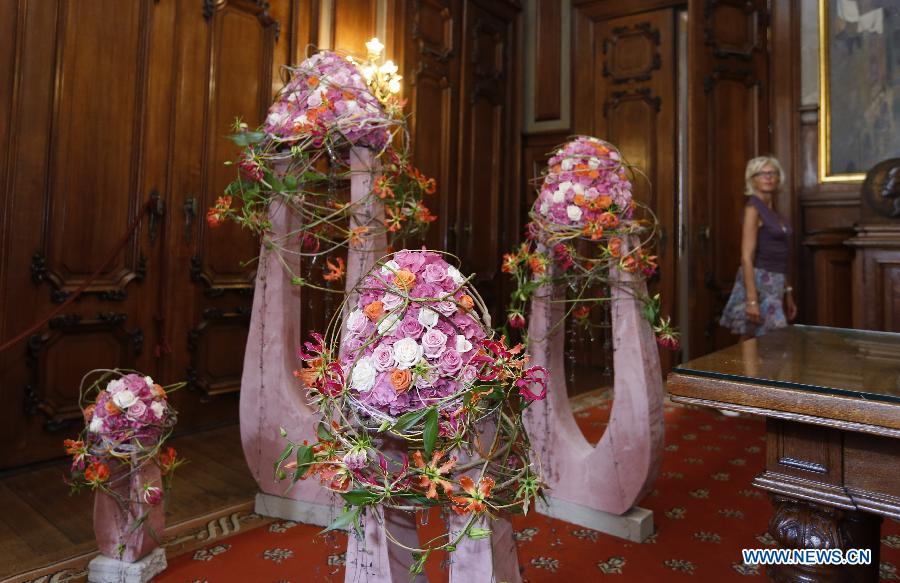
point(407, 395)
point(583, 222)
point(300, 157)
point(128, 419)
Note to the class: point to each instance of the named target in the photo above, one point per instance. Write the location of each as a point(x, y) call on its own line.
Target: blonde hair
point(754, 166)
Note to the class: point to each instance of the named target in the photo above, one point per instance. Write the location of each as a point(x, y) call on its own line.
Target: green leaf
point(479, 533)
point(284, 455)
point(359, 497)
point(344, 521)
point(407, 420)
point(322, 432)
point(290, 182)
point(304, 459)
point(431, 430)
point(384, 425)
point(244, 139)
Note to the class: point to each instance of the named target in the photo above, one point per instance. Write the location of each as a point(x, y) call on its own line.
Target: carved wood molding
point(641, 29)
point(212, 317)
point(260, 8)
point(751, 14)
point(619, 97)
point(442, 53)
point(37, 393)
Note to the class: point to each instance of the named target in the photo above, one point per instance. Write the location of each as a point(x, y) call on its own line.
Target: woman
point(760, 300)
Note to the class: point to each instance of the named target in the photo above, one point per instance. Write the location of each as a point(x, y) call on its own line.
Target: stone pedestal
point(126, 528)
point(103, 569)
point(602, 481)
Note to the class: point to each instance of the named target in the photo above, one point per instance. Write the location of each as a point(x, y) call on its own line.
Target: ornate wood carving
point(205, 372)
point(797, 524)
point(731, 28)
point(631, 53)
point(59, 357)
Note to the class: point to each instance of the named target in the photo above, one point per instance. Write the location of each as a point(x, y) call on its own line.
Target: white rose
point(388, 323)
point(455, 275)
point(593, 163)
point(363, 376)
point(149, 382)
point(428, 317)
point(407, 352)
point(390, 268)
point(545, 207)
point(276, 118)
point(574, 212)
point(391, 301)
point(559, 195)
point(567, 164)
point(462, 344)
point(124, 399)
point(158, 409)
point(115, 386)
point(96, 425)
point(578, 188)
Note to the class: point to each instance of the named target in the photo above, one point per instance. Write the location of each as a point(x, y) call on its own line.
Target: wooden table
point(831, 398)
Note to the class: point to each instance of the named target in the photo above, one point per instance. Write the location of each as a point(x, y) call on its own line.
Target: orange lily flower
point(356, 235)
point(431, 478)
point(96, 473)
point(475, 501)
point(335, 270)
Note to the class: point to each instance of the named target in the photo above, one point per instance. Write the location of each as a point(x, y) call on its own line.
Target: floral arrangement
point(128, 419)
point(420, 405)
point(584, 220)
point(300, 157)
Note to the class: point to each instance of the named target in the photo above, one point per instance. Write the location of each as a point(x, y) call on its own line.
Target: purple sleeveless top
point(772, 239)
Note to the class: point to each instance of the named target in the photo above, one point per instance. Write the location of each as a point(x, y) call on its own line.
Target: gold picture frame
point(858, 113)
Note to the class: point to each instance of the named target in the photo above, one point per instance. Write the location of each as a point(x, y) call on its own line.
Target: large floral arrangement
point(128, 419)
point(420, 405)
point(300, 157)
point(584, 221)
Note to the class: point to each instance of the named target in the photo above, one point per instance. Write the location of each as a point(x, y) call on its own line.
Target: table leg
point(798, 524)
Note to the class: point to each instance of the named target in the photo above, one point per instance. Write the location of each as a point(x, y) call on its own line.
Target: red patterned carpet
point(704, 508)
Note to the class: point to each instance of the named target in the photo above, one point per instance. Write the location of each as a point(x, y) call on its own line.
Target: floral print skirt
point(770, 292)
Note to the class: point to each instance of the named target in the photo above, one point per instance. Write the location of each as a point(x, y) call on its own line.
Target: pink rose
point(383, 358)
point(435, 273)
point(446, 307)
point(450, 362)
point(137, 409)
point(434, 343)
point(468, 374)
point(410, 328)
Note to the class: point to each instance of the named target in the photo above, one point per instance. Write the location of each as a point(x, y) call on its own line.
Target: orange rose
point(401, 379)
point(603, 202)
point(89, 413)
point(404, 279)
point(158, 391)
point(374, 310)
point(579, 200)
point(111, 408)
point(466, 303)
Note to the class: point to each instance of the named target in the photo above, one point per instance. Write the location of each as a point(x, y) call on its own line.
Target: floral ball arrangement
point(585, 221)
point(326, 95)
point(420, 405)
point(300, 157)
point(128, 419)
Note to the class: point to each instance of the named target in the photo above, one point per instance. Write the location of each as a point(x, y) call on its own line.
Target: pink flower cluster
point(328, 93)
point(132, 407)
point(411, 340)
point(586, 180)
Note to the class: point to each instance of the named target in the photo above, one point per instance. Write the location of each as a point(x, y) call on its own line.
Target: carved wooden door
point(106, 104)
point(729, 112)
point(487, 221)
point(633, 103)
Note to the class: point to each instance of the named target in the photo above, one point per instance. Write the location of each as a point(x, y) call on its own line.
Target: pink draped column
point(597, 486)
point(271, 398)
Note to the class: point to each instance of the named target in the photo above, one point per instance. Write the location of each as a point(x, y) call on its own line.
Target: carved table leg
point(797, 524)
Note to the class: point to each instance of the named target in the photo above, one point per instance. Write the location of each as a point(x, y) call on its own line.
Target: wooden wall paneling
point(826, 266)
point(353, 23)
point(304, 29)
point(728, 99)
point(489, 146)
point(876, 277)
point(10, 28)
point(548, 64)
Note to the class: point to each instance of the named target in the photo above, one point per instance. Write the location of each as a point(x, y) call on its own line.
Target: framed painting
point(859, 86)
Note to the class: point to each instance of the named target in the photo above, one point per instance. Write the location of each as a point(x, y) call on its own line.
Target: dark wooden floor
point(40, 523)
